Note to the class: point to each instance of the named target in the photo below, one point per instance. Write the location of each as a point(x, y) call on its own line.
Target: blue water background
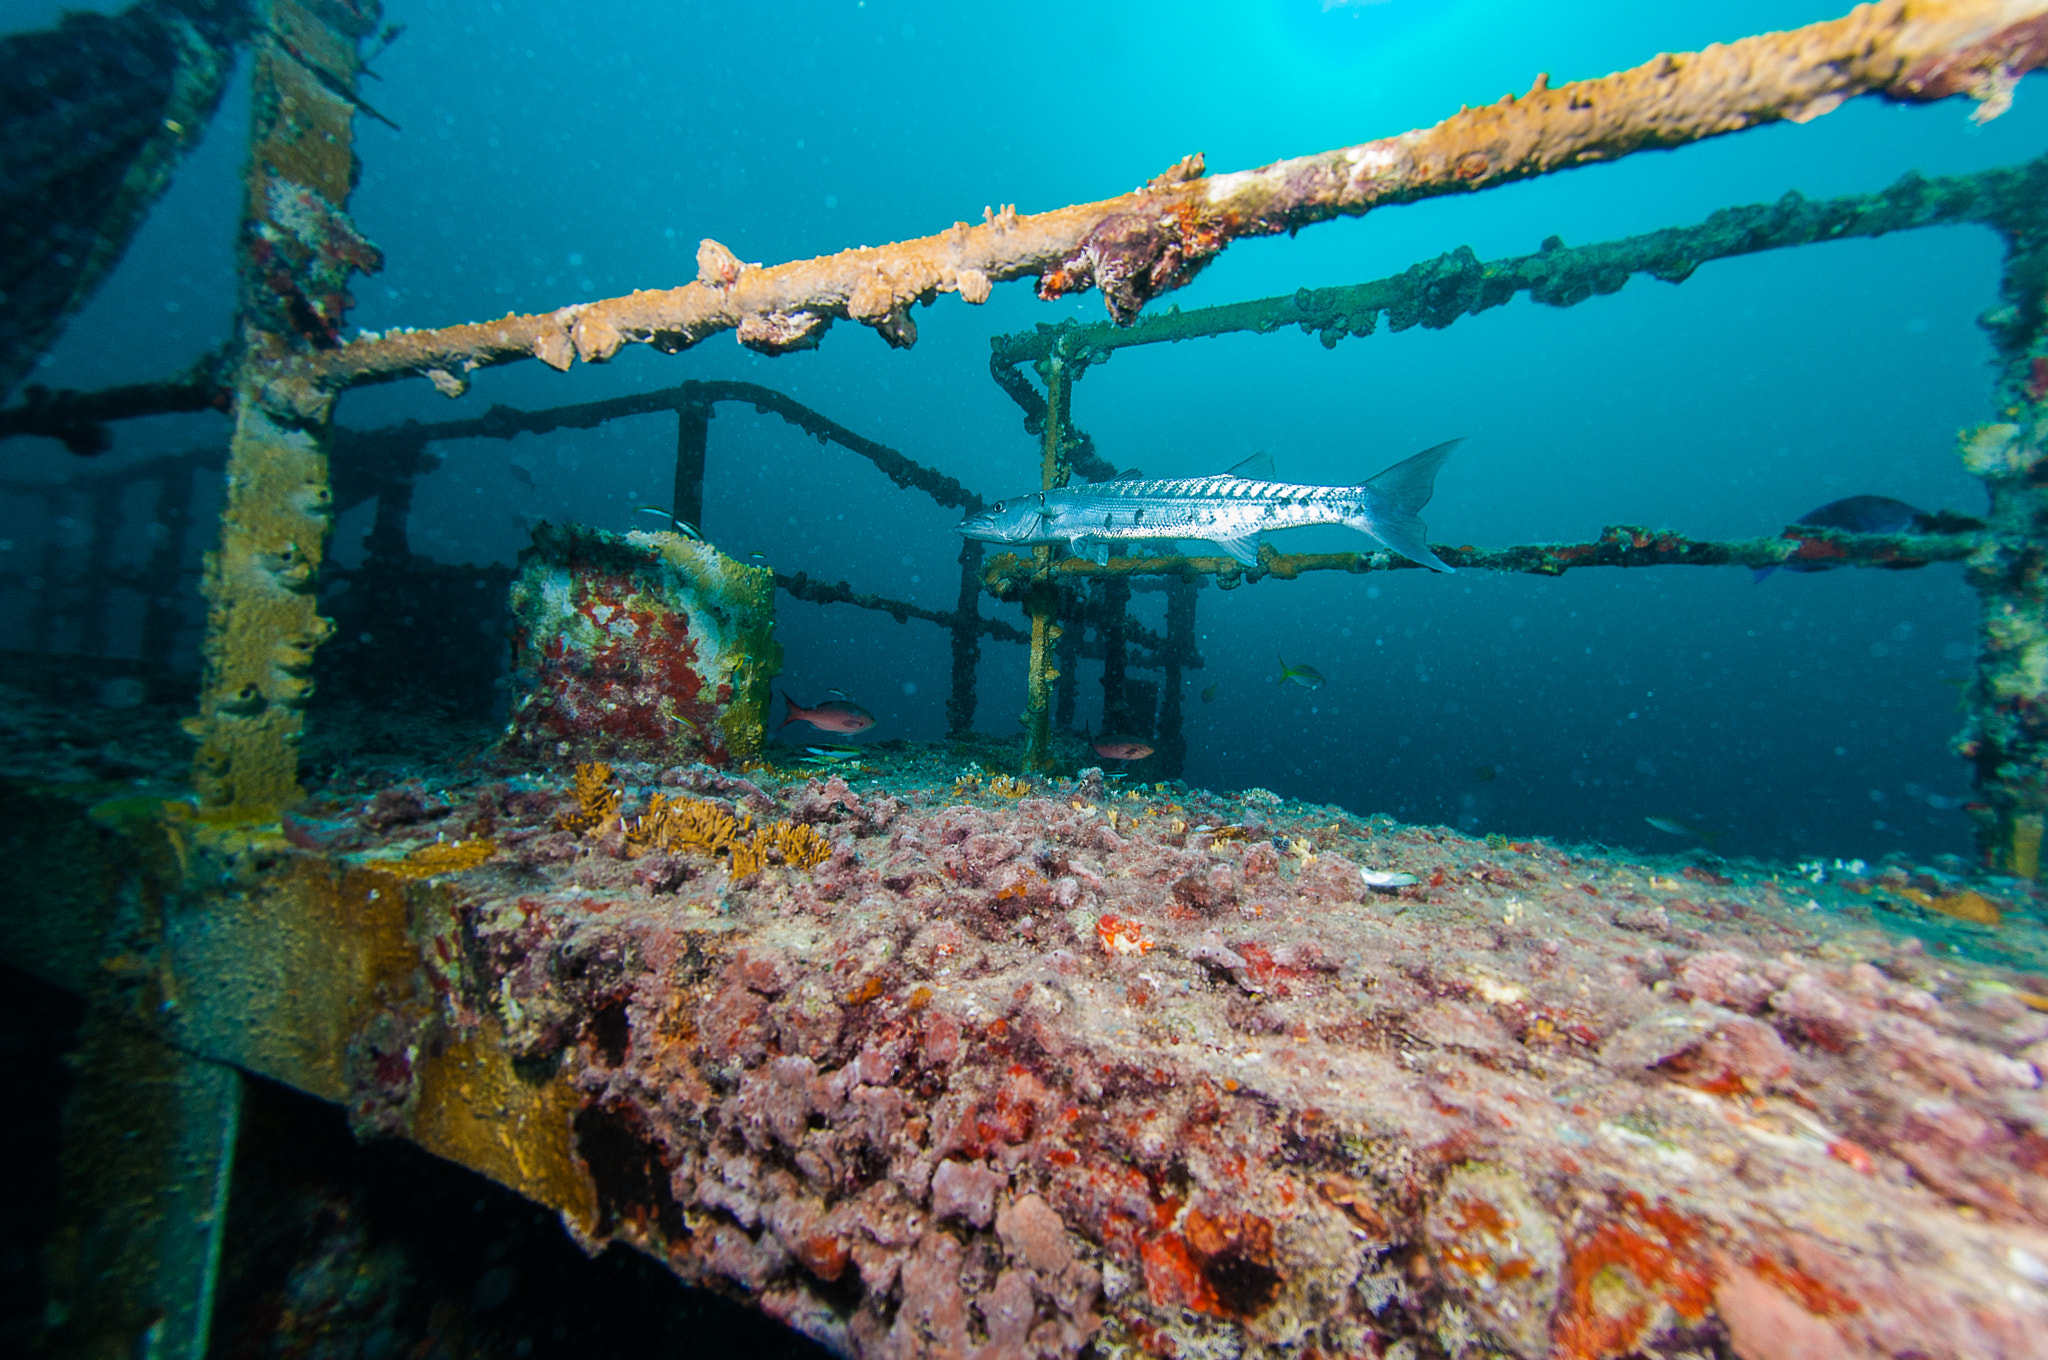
point(553, 154)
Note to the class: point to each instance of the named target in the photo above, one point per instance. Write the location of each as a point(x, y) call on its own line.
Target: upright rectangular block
point(639, 646)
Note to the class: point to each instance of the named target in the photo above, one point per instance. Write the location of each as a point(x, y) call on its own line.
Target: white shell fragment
point(1374, 878)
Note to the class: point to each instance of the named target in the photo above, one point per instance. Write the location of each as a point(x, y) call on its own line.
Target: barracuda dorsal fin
point(1257, 468)
point(1127, 475)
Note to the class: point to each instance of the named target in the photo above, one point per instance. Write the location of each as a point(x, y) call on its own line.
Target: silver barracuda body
point(1230, 509)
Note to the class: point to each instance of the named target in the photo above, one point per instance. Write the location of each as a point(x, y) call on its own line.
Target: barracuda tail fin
point(1393, 504)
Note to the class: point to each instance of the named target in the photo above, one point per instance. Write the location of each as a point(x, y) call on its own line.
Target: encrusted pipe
point(298, 252)
point(693, 432)
point(1112, 597)
point(1067, 654)
point(1155, 239)
point(1042, 599)
point(1171, 740)
point(2006, 734)
point(966, 630)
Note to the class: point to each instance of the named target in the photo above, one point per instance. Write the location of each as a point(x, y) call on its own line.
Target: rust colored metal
point(334, 976)
point(478, 1110)
point(1154, 239)
point(1435, 293)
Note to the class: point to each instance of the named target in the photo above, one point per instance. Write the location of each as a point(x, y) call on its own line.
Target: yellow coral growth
point(748, 857)
point(442, 857)
point(1963, 904)
point(597, 802)
point(800, 847)
point(1000, 785)
point(685, 824)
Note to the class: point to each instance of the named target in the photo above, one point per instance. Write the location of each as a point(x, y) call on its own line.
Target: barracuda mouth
point(994, 526)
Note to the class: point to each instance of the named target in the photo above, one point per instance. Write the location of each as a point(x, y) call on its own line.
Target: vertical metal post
point(44, 610)
point(693, 430)
point(1041, 600)
point(1073, 614)
point(163, 589)
point(2006, 734)
point(1112, 611)
point(1171, 743)
point(104, 496)
point(966, 641)
point(297, 251)
point(149, 1149)
point(389, 542)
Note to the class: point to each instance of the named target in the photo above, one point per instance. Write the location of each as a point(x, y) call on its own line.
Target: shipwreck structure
point(1019, 1063)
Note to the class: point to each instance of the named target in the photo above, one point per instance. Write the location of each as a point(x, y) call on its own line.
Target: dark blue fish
point(1856, 515)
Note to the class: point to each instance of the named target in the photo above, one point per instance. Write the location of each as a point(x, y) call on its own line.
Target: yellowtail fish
point(1209, 695)
point(1308, 677)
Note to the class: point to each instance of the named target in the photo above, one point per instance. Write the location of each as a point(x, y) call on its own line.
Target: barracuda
point(1230, 509)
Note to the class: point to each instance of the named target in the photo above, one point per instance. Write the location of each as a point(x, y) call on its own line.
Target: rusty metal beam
point(1623, 545)
point(1435, 293)
point(330, 977)
point(149, 1148)
point(1153, 240)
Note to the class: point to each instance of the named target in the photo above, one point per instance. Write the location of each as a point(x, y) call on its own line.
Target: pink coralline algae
point(1157, 1073)
point(638, 647)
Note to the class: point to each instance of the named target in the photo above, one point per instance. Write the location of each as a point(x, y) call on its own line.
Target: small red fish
point(834, 715)
point(2037, 379)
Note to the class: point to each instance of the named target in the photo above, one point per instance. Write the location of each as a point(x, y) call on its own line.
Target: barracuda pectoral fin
point(1245, 550)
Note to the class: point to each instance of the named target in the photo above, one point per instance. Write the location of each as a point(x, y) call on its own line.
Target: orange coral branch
point(1154, 239)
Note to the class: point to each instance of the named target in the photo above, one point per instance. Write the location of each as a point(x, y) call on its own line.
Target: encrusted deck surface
point(1023, 1067)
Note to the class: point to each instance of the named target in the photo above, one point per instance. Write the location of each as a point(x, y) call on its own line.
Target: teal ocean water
point(553, 154)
